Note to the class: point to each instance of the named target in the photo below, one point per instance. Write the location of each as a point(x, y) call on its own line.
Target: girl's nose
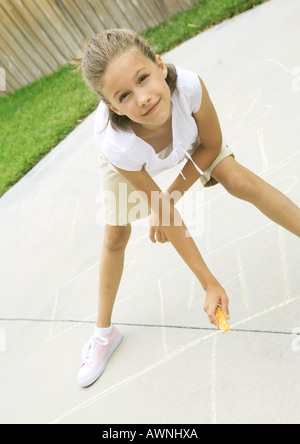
point(143, 99)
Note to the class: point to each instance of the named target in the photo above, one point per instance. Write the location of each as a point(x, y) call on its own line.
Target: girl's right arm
point(177, 233)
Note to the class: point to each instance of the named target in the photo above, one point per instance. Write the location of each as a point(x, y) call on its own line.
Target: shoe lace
point(88, 349)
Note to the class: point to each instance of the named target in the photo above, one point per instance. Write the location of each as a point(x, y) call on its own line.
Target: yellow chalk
point(223, 324)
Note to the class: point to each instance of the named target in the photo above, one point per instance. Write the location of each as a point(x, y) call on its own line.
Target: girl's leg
point(242, 183)
point(111, 269)
point(107, 337)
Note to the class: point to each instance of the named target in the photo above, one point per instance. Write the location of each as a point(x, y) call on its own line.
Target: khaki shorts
point(124, 205)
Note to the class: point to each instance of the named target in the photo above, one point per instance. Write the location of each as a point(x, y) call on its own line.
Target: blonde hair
point(99, 49)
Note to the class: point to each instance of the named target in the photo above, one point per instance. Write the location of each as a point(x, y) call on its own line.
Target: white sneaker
point(95, 355)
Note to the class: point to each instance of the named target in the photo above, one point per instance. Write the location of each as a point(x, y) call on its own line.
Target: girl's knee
point(242, 183)
point(116, 237)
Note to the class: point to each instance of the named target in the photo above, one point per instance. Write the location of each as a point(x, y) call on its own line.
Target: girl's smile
point(153, 109)
point(141, 92)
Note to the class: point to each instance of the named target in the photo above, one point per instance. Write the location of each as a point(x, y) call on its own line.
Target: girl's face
point(135, 86)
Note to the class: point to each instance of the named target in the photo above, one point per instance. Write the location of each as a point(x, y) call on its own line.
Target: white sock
point(100, 332)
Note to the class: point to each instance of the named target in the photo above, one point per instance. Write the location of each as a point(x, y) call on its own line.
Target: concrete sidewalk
point(172, 366)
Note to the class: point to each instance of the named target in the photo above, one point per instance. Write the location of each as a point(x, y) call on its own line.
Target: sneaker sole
point(97, 375)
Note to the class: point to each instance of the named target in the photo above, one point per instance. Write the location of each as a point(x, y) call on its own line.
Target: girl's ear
point(162, 66)
point(115, 110)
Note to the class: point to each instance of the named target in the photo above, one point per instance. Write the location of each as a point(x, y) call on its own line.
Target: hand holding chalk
point(222, 321)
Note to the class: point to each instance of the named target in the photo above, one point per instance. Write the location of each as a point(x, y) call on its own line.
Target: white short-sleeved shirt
point(127, 151)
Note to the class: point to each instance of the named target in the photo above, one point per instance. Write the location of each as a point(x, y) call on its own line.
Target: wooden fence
point(39, 36)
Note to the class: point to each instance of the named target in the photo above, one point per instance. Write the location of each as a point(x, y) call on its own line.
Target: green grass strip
point(184, 25)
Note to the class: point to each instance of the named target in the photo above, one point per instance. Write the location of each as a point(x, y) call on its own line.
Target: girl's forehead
point(122, 69)
point(131, 57)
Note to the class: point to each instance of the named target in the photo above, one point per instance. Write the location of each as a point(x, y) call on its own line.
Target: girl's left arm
point(176, 231)
point(211, 143)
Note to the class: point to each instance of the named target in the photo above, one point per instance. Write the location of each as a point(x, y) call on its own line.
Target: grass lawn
point(34, 119)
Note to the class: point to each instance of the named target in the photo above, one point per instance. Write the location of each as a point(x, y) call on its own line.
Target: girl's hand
point(156, 232)
point(215, 295)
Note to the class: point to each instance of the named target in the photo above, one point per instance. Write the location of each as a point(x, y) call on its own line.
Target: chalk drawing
point(163, 361)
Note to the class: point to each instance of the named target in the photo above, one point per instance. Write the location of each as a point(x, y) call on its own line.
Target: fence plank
point(106, 19)
point(184, 4)
point(160, 7)
point(89, 16)
point(117, 13)
point(29, 54)
point(144, 12)
point(59, 13)
point(54, 26)
point(36, 9)
point(26, 36)
point(31, 36)
point(38, 36)
point(129, 11)
point(11, 70)
point(11, 46)
point(74, 14)
point(172, 5)
point(30, 15)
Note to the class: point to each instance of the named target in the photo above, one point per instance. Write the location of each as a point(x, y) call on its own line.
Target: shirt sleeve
point(117, 158)
point(190, 86)
point(100, 124)
point(113, 144)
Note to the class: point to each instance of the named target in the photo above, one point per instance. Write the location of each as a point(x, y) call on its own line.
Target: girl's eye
point(123, 97)
point(143, 78)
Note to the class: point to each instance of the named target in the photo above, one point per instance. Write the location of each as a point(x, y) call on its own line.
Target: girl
point(151, 117)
